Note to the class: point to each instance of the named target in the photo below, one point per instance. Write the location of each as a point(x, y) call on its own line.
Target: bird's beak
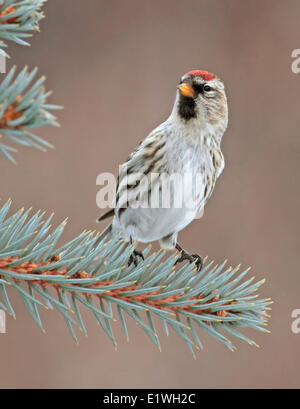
point(186, 90)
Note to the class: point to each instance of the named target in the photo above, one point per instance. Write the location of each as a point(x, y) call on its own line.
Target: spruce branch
point(84, 273)
point(17, 20)
point(23, 107)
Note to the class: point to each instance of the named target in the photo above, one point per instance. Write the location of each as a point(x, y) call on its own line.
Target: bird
point(188, 143)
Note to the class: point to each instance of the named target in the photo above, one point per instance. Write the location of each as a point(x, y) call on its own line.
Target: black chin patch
point(187, 108)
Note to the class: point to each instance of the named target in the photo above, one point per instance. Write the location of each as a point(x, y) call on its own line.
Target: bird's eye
point(207, 88)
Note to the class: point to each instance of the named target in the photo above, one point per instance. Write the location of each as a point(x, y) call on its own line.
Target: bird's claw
point(192, 258)
point(134, 257)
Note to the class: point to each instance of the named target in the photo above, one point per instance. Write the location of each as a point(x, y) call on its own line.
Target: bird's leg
point(190, 257)
point(134, 256)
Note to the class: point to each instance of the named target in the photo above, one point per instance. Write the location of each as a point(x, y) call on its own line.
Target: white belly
point(171, 212)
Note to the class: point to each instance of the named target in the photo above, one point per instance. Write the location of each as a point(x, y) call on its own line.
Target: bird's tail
point(110, 213)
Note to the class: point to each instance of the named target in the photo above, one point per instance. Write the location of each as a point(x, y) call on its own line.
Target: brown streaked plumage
point(187, 143)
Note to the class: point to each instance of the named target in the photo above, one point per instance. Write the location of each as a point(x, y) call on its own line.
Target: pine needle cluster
point(219, 300)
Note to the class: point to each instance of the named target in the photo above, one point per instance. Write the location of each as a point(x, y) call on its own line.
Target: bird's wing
point(146, 159)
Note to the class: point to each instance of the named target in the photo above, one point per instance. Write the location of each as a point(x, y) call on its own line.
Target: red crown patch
point(207, 76)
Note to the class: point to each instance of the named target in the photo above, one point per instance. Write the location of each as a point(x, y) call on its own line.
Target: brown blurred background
point(114, 66)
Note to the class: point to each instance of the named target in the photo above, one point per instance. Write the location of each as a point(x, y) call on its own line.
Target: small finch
point(186, 145)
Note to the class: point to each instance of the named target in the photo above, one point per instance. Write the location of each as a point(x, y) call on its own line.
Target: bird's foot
point(134, 257)
point(192, 258)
